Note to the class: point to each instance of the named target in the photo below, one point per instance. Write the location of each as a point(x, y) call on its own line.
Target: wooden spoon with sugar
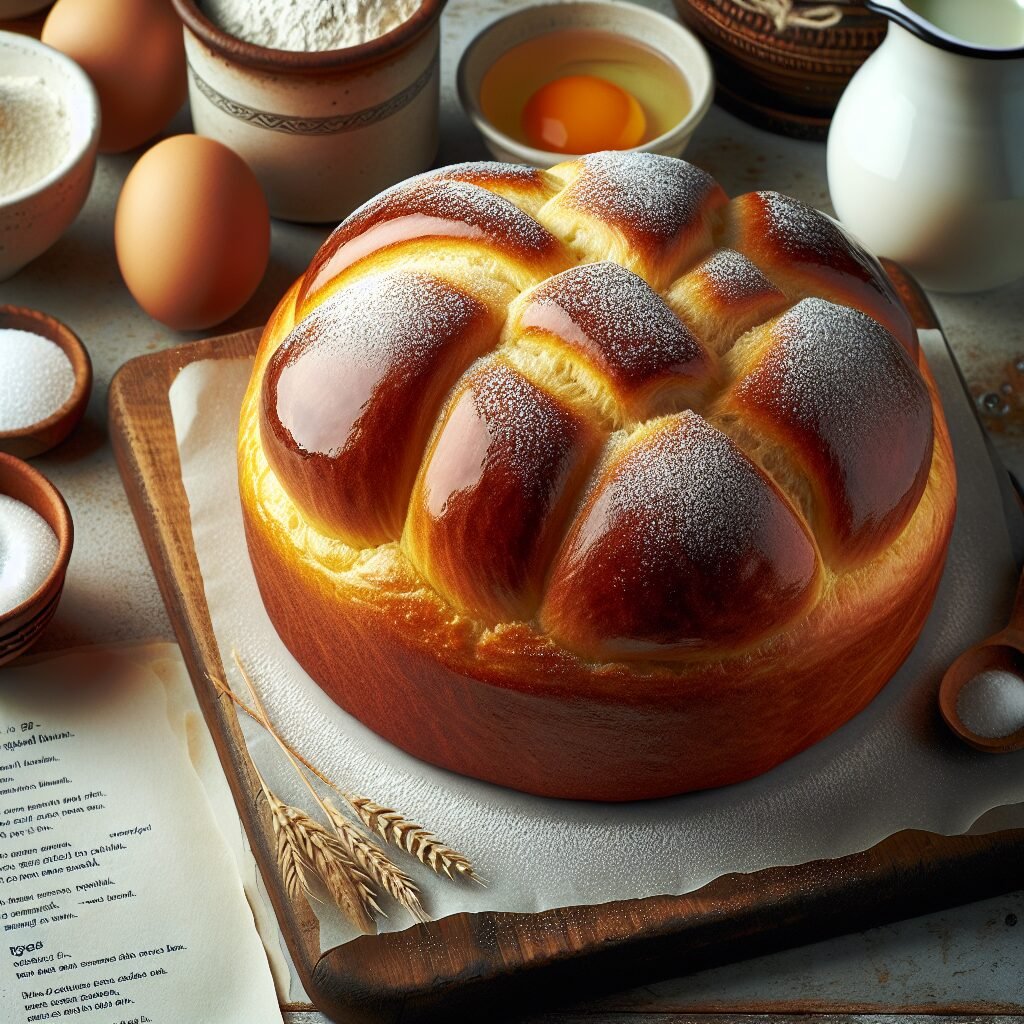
point(981, 696)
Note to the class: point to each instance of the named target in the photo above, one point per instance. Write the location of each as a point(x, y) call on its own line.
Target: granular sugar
point(991, 704)
point(308, 25)
point(28, 550)
point(36, 378)
point(35, 131)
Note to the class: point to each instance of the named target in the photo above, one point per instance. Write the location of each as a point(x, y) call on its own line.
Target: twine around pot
point(782, 13)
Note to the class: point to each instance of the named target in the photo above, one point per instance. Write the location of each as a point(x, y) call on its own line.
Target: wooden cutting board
point(449, 967)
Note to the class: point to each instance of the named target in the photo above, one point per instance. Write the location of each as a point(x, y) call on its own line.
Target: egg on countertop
point(134, 52)
point(191, 232)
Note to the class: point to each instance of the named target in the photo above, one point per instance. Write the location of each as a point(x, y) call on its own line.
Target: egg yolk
point(583, 114)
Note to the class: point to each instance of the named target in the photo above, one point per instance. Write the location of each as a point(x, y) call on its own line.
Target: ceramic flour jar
point(926, 149)
point(323, 131)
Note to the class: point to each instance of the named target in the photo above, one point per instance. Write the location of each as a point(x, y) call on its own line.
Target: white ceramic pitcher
point(926, 149)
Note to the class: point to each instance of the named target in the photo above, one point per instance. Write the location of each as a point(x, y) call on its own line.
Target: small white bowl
point(34, 217)
point(668, 38)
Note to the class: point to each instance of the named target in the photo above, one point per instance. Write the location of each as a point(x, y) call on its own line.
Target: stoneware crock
point(21, 626)
point(926, 150)
point(322, 131)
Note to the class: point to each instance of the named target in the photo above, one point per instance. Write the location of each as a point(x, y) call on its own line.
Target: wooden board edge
point(168, 544)
point(615, 945)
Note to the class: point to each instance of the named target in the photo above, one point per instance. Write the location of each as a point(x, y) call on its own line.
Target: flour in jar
point(308, 25)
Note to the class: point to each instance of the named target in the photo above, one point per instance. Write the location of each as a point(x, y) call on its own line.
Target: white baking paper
point(119, 898)
point(895, 766)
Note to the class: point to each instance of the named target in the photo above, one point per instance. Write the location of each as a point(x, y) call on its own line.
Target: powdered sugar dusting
point(470, 171)
point(688, 486)
point(643, 192)
point(387, 318)
point(732, 277)
point(795, 227)
point(836, 369)
point(386, 328)
point(487, 170)
point(612, 314)
point(684, 544)
point(459, 202)
point(807, 236)
point(841, 382)
point(529, 432)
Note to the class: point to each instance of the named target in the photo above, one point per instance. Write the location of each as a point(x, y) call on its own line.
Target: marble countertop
point(966, 958)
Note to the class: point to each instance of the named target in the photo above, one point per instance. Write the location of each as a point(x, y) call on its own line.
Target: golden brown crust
point(724, 296)
point(499, 479)
point(430, 210)
point(652, 214)
point(807, 253)
point(525, 622)
point(508, 706)
point(682, 545)
point(834, 388)
point(352, 391)
point(614, 322)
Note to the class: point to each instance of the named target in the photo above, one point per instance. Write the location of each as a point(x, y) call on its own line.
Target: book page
point(120, 902)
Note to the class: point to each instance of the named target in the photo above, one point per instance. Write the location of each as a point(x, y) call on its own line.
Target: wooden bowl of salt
point(45, 381)
point(36, 535)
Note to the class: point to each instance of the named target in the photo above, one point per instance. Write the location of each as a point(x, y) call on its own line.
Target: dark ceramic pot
point(787, 81)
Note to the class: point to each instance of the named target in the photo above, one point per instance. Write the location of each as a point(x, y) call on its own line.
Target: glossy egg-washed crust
point(592, 482)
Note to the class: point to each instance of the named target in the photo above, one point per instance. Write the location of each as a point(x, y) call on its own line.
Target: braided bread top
point(604, 399)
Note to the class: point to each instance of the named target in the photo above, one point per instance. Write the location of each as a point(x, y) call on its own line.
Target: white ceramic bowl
point(33, 218)
point(324, 131)
point(676, 44)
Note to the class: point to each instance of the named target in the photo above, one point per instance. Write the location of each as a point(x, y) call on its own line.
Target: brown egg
point(192, 232)
point(134, 52)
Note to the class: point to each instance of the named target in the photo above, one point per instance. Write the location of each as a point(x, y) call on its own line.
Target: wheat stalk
point(302, 844)
point(375, 862)
point(385, 822)
point(289, 854)
point(261, 719)
point(396, 829)
point(345, 883)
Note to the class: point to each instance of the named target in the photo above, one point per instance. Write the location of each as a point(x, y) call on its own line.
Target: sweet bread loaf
point(592, 482)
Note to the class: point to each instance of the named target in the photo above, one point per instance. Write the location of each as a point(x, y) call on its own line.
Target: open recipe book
point(127, 890)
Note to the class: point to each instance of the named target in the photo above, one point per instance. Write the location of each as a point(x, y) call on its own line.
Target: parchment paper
point(895, 766)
